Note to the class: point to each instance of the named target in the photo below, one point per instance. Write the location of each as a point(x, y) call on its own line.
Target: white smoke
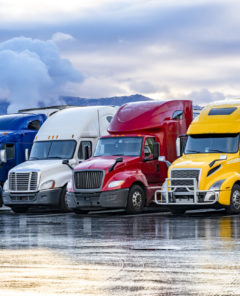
point(32, 73)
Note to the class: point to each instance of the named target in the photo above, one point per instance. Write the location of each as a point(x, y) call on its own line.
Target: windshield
point(53, 150)
point(125, 146)
point(219, 143)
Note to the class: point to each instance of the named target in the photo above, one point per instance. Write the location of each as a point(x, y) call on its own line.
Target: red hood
point(103, 163)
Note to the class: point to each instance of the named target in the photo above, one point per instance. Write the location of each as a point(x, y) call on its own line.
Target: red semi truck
point(125, 170)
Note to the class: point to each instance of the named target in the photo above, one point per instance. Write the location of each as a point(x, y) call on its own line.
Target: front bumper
point(114, 199)
point(185, 194)
point(41, 198)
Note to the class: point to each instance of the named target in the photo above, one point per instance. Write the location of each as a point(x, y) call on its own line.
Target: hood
point(104, 163)
point(49, 170)
point(199, 160)
point(39, 165)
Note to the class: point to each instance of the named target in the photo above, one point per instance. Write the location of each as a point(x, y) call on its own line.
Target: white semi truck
point(65, 139)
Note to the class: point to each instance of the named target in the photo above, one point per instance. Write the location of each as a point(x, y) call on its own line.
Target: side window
point(10, 150)
point(34, 125)
point(178, 114)
point(109, 118)
point(85, 150)
point(148, 147)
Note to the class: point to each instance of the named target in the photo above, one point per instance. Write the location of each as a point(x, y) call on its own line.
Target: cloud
point(163, 49)
point(204, 96)
point(32, 71)
point(60, 37)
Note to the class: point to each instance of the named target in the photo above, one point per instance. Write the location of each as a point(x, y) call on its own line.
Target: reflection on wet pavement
point(116, 254)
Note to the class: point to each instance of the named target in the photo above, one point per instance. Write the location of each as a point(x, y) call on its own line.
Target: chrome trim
point(88, 190)
point(27, 184)
point(187, 169)
point(192, 190)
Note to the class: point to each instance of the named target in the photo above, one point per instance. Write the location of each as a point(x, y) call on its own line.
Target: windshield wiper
point(54, 157)
point(118, 154)
point(34, 158)
point(193, 151)
point(216, 150)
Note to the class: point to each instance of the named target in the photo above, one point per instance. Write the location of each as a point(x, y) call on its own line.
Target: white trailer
point(65, 139)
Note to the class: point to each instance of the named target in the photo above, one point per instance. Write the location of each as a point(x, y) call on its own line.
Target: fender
point(61, 178)
point(129, 178)
point(225, 192)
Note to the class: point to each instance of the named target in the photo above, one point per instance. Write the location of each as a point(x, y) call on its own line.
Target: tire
point(63, 202)
point(136, 200)
point(177, 211)
point(19, 210)
point(234, 207)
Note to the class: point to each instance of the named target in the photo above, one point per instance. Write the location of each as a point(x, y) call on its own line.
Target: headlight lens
point(5, 186)
point(115, 183)
point(47, 185)
point(217, 185)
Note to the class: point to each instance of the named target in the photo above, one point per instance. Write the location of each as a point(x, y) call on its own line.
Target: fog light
point(210, 196)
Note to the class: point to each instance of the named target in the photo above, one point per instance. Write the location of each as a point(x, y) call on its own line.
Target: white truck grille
point(23, 182)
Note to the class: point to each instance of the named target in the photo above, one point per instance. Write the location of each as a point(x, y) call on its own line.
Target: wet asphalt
point(155, 253)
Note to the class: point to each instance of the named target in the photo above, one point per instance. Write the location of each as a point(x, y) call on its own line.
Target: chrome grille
point(23, 181)
point(88, 179)
point(184, 174)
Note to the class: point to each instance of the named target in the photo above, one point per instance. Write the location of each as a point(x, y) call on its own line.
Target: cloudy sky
point(161, 49)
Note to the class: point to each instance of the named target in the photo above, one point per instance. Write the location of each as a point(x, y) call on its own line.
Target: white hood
point(51, 169)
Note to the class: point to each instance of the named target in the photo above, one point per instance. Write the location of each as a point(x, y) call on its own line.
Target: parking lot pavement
point(118, 254)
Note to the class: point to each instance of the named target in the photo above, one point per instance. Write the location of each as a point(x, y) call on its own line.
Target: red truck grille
point(88, 179)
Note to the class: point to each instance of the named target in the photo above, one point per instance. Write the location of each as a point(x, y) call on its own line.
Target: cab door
point(150, 166)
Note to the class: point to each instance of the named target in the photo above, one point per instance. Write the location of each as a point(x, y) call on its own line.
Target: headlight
point(217, 185)
point(211, 196)
point(47, 185)
point(115, 183)
point(5, 186)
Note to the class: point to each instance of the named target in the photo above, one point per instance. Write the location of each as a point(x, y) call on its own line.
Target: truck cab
point(124, 171)
point(65, 139)
point(207, 175)
point(17, 132)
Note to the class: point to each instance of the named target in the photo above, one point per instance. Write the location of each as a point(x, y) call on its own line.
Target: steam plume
point(32, 73)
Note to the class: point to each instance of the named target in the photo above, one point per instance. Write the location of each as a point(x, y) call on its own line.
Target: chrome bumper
point(184, 194)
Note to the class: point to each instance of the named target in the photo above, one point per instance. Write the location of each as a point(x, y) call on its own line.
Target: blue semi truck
point(17, 132)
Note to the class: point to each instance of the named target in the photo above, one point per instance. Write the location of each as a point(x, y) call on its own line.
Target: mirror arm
point(66, 162)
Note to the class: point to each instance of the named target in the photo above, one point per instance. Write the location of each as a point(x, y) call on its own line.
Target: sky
point(161, 49)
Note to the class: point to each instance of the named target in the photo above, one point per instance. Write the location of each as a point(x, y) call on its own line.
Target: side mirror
point(155, 150)
point(3, 155)
point(163, 159)
point(26, 154)
point(66, 161)
point(180, 145)
point(87, 152)
point(119, 159)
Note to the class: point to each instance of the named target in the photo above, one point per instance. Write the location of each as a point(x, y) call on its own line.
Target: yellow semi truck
point(207, 175)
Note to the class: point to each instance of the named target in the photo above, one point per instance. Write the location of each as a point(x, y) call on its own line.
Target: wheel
point(178, 211)
point(19, 210)
point(234, 207)
point(78, 211)
point(63, 202)
point(136, 200)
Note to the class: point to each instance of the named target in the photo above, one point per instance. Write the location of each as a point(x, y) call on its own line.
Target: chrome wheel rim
point(137, 199)
point(236, 199)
